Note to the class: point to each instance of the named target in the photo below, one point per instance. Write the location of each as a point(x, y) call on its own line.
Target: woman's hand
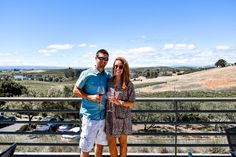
point(114, 101)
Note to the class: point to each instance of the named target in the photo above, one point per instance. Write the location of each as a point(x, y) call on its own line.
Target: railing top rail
point(187, 99)
point(137, 99)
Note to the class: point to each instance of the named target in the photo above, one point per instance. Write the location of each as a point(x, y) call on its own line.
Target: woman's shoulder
point(130, 84)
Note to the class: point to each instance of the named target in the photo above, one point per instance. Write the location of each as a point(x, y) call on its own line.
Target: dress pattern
point(119, 118)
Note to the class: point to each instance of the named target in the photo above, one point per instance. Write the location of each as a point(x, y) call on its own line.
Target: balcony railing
point(178, 114)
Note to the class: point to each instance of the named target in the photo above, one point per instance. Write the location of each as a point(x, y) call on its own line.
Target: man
point(93, 105)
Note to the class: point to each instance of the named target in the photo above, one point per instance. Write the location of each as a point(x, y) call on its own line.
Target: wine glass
point(100, 92)
point(110, 95)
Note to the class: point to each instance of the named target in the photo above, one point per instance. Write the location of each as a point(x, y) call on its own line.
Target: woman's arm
point(126, 103)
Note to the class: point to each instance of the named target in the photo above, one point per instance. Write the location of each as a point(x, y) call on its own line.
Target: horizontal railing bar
point(178, 145)
point(41, 122)
point(184, 111)
point(65, 154)
point(180, 134)
point(36, 111)
point(184, 123)
point(129, 144)
point(137, 99)
point(69, 122)
point(135, 111)
point(38, 133)
point(205, 111)
point(39, 99)
point(42, 144)
point(185, 99)
point(144, 134)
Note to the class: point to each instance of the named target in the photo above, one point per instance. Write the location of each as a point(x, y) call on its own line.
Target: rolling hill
point(211, 79)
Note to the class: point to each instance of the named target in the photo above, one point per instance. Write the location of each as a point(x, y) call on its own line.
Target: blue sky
point(146, 32)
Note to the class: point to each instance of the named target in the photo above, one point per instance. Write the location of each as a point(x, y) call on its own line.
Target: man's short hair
point(102, 51)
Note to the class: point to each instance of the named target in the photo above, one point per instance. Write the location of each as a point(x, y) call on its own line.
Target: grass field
point(43, 87)
point(216, 79)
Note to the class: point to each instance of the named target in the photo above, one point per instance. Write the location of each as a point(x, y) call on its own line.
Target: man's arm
point(79, 92)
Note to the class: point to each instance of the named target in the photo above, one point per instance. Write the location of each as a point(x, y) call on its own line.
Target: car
point(74, 136)
point(48, 126)
point(3, 118)
point(7, 118)
point(10, 119)
point(65, 127)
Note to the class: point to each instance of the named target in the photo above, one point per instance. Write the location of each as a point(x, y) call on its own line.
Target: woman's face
point(118, 68)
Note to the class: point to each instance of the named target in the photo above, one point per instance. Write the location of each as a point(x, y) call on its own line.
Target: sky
point(68, 33)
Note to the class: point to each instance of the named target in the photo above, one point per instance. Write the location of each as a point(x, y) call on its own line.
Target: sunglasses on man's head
point(103, 58)
point(119, 66)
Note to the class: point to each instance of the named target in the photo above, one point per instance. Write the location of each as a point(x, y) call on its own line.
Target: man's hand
point(79, 92)
point(95, 98)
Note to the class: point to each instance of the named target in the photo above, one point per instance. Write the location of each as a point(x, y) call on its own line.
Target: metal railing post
point(176, 121)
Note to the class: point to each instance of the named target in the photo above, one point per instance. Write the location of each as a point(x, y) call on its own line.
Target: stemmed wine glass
point(110, 95)
point(101, 92)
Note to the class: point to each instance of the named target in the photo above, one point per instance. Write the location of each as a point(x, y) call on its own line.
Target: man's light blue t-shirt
point(89, 81)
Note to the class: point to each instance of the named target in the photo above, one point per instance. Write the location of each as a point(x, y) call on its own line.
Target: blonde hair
point(126, 72)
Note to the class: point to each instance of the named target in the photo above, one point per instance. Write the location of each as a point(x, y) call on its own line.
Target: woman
point(118, 118)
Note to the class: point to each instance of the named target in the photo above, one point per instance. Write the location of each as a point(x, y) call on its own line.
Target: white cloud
point(17, 62)
point(223, 47)
point(168, 46)
point(60, 46)
point(135, 56)
point(47, 52)
point(146, 56)
point(179, 46)
point(5, 54)
point(86, 45)
point(84, 60)
point(204, 54)
point(92, 45)
point(55, 48)
point(132, 53)
point(141, 50)
point(82, 45)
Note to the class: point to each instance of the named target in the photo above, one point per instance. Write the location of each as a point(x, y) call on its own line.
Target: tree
point(147, 73)
point(9, 88)
point(221, 63)
point(69, 73)
point(78, 72)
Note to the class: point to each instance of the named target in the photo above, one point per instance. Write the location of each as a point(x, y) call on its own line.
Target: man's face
point(101, 60)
